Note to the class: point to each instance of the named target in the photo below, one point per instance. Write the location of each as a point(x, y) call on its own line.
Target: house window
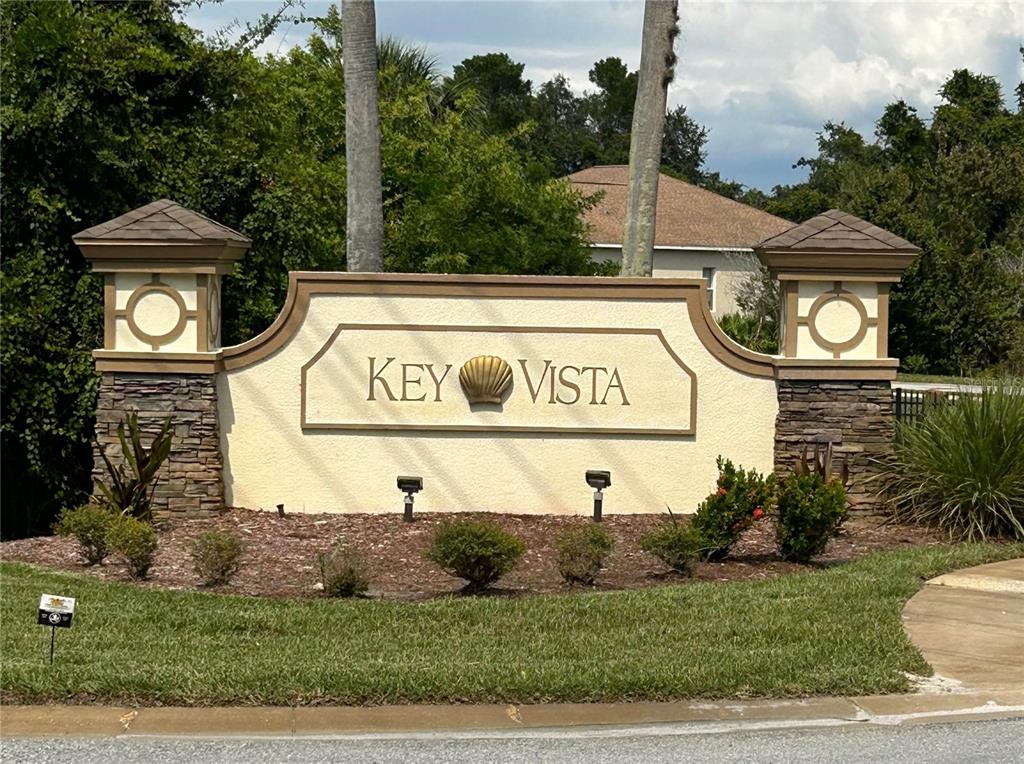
point(709, 276)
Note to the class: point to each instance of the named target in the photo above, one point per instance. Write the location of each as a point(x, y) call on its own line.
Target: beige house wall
point(270, 458)
point(731, 268)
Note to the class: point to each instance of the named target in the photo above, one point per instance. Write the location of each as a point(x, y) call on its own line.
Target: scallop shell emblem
point(485, 378)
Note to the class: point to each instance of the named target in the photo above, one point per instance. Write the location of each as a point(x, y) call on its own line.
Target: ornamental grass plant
point(960, 467)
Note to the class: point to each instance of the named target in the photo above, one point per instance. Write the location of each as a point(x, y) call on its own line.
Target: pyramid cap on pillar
point(165, 237)
point(836, 244)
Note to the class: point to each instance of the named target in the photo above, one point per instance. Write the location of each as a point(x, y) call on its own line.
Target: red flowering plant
point(741, 498)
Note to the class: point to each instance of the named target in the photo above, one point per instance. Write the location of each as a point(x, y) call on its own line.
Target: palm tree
point(657, 68)
point(364, 234)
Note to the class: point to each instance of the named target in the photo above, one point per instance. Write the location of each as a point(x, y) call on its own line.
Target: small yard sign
point(55, 611)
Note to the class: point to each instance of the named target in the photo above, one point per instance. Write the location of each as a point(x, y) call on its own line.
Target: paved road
point(988, 741)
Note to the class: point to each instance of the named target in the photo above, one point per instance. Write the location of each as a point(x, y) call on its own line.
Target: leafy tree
point(498, 80)
point(99, 108)
point(956, 189)
point(107, 106)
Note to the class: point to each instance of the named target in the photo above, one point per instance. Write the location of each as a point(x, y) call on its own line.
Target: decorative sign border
point(689, 431)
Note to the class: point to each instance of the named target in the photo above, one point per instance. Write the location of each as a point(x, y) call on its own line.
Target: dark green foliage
point(136, 541)
point(674, 543)
point(954, 187)
point(961, 467)
point(99, 101)
point(810, 510)
point(478, 551)
point(582, 552)
point(130, 490)
point(89, 525)
point(750, 331)
point(741, 497)
point(108, 106)
point(216, 556)
point(343, 572)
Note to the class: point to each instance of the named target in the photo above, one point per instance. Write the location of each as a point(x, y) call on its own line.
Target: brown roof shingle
point(164, 220)
point(838, 230)
point(687, 215)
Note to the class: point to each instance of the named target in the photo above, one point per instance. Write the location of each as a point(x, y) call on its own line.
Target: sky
point(762, 76)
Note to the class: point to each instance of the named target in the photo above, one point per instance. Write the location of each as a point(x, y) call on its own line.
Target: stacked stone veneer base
point(191, 481)
point(854, 416)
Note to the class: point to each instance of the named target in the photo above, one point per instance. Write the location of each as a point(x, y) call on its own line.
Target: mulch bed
point(281, 553)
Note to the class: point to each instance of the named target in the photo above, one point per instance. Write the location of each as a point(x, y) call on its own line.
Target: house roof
point(162, 220)
point(687, 215)
point(837, 230)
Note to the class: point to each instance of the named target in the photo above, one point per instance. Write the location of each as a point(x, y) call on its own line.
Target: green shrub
point(582, 552)
point(343, 572)
point(740, 497)
point(135, 541)
point(961, 467)
point(751, 331)
point(216, 557)
point(131, 483)
point(810, 510)
point(674, 543)
point(89, 524)
point(479, 552)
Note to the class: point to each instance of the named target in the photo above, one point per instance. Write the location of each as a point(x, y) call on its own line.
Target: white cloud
point(763, 76)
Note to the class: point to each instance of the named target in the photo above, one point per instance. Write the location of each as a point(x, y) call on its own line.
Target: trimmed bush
point(89, 525)
point(674, 543)
point(810, 510)
point(960, 467)
point(582, 552)
point(216, 557)
point(343, 573)
point(135, 541)
point(478, 551)
point(740, 498)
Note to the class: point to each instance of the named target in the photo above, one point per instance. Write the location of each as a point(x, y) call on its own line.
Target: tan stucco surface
point(270, 459)
point(155, 312)
point(838, 320)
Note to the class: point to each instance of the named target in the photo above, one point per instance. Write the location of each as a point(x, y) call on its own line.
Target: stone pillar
point(855, 416)
point(834, 372)
point(191, 482)
point(162, 267)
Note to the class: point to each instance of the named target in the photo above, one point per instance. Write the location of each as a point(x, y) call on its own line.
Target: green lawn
point(833, 631)
point(943, 378)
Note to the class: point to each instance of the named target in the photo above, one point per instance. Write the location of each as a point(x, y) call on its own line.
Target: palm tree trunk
point(657, 62)
point(364, 233)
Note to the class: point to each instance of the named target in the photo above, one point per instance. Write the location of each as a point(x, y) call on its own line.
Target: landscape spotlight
point(409, 484)
point(598, 480)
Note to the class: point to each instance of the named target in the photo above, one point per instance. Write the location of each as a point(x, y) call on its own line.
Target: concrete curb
point(489, 720)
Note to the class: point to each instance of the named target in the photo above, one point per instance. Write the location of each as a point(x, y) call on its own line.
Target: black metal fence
point(909, 405)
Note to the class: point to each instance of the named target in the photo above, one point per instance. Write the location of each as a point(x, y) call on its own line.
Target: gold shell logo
point(485, 379)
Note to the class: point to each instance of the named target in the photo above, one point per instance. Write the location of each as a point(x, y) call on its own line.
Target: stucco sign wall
point(500, 391)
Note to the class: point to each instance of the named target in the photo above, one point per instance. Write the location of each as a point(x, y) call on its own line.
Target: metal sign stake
point(53, 638)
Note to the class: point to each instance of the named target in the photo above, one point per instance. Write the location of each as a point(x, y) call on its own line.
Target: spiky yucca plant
point(130, 491)
point(961, 466)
